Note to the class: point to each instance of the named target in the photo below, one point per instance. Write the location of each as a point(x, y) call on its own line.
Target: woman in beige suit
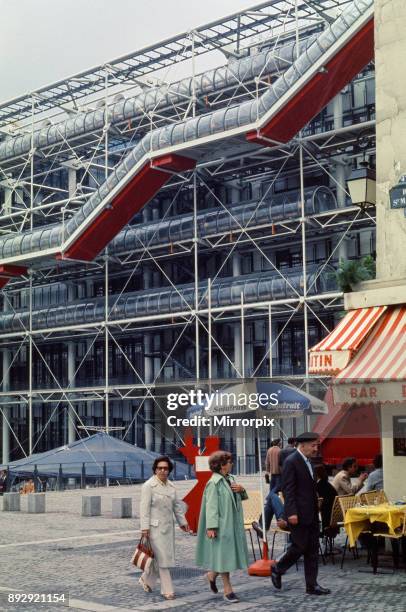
point(159, 506)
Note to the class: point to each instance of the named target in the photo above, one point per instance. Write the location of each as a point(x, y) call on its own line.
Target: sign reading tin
point(398, 194)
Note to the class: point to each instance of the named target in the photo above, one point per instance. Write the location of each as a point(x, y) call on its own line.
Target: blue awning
point(288, 401)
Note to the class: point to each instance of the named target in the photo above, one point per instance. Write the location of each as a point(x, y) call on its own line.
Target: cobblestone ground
point(88, 558)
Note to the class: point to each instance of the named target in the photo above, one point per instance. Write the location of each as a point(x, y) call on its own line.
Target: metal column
point(6, 409)
point(30, 374)
point(148, 371)
point(238, 363)
point(340, 170)
point(156, 360)
point(71, 376)
point(148, 402)
point(106, 342)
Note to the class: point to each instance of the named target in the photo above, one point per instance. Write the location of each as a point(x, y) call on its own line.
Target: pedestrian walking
point(286, 451)
point(221, 540)
point(159, 506)
point(301, 509)
point(272, 467)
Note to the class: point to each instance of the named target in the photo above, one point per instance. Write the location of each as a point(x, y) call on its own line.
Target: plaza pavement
point(88, 558)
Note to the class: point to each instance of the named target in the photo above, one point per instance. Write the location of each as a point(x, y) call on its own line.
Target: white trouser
point(150, 578)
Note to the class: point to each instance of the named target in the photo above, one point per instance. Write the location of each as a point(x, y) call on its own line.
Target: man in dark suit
point(301, 510)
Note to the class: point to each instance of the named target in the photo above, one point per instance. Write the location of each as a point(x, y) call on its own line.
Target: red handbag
point(143, 556)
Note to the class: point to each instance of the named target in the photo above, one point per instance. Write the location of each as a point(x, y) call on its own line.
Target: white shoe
point(144, 585)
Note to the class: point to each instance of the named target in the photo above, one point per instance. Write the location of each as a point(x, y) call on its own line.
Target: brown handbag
point(143, 555)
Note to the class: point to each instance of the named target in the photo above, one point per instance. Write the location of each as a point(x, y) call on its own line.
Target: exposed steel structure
point(181, 232)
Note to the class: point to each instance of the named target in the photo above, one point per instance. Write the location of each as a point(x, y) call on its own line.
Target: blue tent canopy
point(99, 455)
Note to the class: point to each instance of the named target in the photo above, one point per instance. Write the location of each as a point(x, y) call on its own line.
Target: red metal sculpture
point(192, 454)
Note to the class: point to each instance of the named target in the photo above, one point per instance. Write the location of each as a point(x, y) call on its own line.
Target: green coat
point(222, 510)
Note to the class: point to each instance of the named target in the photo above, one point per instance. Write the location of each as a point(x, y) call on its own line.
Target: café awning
point(334, 353)
point(377, 373)
point(250, 396)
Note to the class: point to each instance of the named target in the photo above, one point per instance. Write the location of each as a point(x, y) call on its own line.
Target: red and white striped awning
point(378, 372)
point(334, 352)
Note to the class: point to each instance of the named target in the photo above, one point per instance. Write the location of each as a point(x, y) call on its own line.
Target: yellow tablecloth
point(359, 519)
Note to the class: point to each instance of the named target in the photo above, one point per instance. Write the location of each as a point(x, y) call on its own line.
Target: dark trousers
point(275, 484)
point(305, 541)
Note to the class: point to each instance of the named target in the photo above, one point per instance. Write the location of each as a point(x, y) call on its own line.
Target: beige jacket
point(159, 507)
point(343, 485)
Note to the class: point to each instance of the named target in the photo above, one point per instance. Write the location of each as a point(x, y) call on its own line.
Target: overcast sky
point(42, 41)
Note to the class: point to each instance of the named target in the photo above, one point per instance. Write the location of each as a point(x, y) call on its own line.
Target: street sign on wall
point(397, 194)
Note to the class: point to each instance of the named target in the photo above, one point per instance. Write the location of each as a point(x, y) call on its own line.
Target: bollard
point(11, 502)
point(122, 507)
point(91, 505)
point(36, 503)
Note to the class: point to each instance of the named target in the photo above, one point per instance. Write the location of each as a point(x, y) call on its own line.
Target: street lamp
point(362, 187)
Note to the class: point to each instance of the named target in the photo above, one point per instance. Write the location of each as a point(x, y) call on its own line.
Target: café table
point(360, 518)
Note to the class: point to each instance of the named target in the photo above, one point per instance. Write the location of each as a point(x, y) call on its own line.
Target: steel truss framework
point(234, 31)
point(46, 185)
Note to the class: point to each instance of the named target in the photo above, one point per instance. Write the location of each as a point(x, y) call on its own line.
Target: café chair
point(252, 508)
point(279, 531)
point(373, 498)
point(346, 502)
point(286, 532)
point(330, 532)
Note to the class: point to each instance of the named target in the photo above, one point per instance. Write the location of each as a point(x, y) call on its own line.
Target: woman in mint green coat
point(221, 540)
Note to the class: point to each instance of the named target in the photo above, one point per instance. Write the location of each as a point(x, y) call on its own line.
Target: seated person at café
point(375, 478)
point(342, 481)
point(273, 506)
point(326, 492)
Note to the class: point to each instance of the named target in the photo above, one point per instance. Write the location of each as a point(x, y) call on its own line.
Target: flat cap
point(307, 436)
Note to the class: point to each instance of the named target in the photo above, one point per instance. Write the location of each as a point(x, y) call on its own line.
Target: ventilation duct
point(268, 63)
point(224, 292)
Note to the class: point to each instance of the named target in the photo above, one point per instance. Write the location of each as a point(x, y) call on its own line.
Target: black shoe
point(212, 584)
point(317, 590)
point(258, 529)
point(276, 578)
point(231, 598)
